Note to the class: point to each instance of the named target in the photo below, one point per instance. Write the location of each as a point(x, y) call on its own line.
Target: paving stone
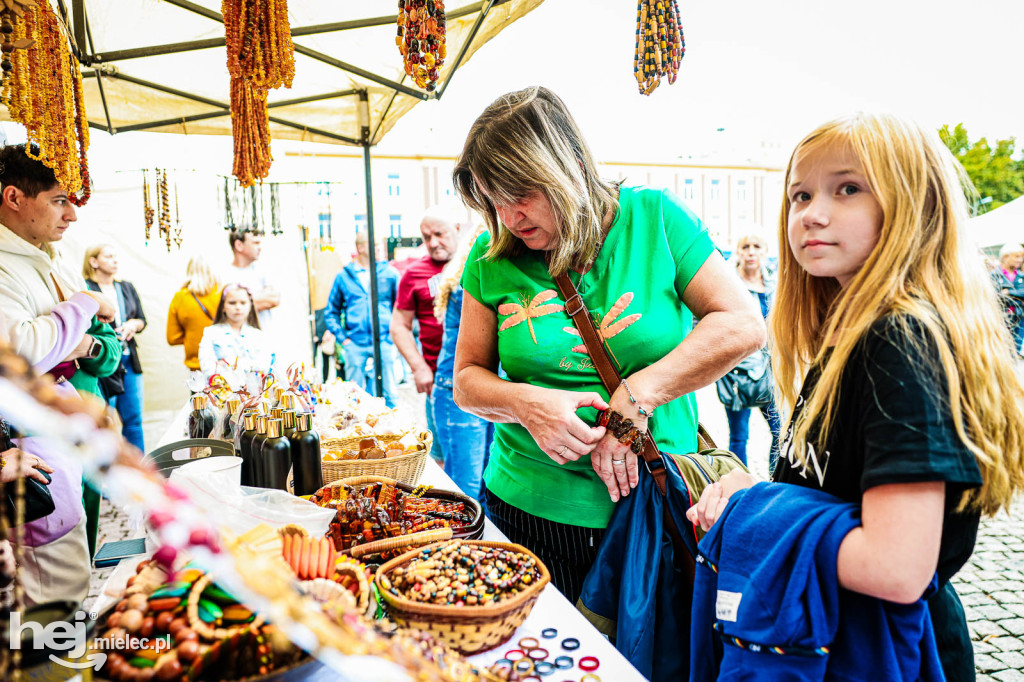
point(1016, 608)
point(987, 664)
point(1009, 676)
point(1005, 598)
point(994, 612)
point(985, 647)
point(983, 628)
point(974, 599)
point(1013, 659)
point(1007, 643)
point(1013, 625)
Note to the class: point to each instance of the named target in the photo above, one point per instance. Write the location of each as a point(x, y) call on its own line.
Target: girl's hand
point(550, 417)
point(716, 496)
point(31, 466)
point(614, 462)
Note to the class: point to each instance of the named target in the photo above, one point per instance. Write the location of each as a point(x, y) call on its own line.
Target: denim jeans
point(739, 432)
point(129, 405)
point(356, 358)
point(465, 440)
point(437, 450)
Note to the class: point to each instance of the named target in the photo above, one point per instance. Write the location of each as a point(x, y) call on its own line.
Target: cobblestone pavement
point(991, 584)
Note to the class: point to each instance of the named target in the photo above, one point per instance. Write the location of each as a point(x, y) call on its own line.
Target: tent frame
point(82, 47)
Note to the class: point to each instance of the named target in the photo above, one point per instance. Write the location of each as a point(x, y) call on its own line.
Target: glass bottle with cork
point(202, 418)
point(307, 471)
point(275, 456)
point(256, 453)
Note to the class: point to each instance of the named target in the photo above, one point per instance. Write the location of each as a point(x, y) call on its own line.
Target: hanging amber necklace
point(659, 43)
point(261, 56)
point(43, 92)
point(165, 207)
point(147, 210)
point(177, 219)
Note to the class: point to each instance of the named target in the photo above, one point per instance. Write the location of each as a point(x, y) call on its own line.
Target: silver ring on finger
point(618, 461)
point(562, 451)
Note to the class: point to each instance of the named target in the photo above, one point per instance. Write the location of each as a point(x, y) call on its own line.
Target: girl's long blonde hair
point(88, 271)
point(921, 269)
point(525, 142)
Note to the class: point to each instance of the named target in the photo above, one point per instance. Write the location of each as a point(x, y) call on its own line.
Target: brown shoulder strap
point(60, 293)
point(610, 376)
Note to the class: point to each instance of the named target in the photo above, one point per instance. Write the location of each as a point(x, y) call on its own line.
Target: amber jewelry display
point(43, 92)
point(177, 219)
point(659, 43)
point(261, 56)
point(422, 30)
point(9, 12)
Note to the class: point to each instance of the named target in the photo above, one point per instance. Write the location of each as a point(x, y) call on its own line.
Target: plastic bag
point(241, 508)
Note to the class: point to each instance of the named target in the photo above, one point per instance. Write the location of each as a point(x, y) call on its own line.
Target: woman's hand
point(614, 462)
point(31, 466)
point(550, 417)
point(129, 329)
point(716, 496)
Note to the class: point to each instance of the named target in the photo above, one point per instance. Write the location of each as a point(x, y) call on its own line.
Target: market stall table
point(551, 611)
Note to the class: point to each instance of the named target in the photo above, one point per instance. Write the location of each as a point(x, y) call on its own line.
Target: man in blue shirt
point(348, 318)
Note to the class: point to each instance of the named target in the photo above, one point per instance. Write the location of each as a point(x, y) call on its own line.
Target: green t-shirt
point(634, 291)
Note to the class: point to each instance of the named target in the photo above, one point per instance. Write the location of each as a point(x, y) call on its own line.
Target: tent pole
point(364, 126)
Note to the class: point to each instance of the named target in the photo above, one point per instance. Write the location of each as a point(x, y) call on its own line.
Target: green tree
point(993, 169)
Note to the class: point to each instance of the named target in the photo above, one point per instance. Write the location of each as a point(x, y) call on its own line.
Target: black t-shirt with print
point(893, 424)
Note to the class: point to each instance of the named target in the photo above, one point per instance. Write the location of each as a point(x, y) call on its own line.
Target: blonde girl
point(893, 364)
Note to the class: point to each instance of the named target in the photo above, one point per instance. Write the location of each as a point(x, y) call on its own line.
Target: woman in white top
point(234, 340)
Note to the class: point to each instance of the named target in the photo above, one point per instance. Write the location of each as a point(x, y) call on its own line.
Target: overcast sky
point(765, 72)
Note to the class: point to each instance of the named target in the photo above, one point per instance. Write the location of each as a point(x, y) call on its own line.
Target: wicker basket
point(473, 531)
point(468, 629)
point(406, 468)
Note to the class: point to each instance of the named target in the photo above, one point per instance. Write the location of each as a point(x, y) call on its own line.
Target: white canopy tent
point(1003, 225)
point(161, 66)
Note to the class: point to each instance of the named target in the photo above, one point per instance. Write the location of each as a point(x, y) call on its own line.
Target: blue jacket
point(348, 308)
point(767, 603)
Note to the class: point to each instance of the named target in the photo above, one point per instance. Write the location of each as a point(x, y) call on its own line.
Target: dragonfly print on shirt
point(529, 309)
point(607, 326)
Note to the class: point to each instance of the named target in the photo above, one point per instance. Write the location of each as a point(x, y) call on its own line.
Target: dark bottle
point(276, 413)
point(243, 447)
point(240, 429)
point(307, 471)
point(276, 456)
point(202, 418)
point(256, 451)
point(231, 406)
point(288, 419)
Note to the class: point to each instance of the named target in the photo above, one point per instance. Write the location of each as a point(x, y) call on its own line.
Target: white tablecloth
point(552, 609)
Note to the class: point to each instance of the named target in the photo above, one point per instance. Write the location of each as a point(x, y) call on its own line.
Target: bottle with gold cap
point(307, 468)
point(256, 453)
point(288, 419)
point(288, 400)
point(231, 406)
point(275, 457)
point(243, 446)
point(202, 418)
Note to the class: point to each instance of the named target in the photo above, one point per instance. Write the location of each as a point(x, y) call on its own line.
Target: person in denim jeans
point(348, 318)
point(465, 438)
point(751, 251)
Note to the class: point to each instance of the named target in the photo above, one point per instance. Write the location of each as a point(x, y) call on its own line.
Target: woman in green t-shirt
point(644, 266)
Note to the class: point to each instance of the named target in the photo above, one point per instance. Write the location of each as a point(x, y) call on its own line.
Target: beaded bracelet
point(639, 409)
point(623, 429)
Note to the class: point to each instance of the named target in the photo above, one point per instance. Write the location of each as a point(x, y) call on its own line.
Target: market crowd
point(881, 353)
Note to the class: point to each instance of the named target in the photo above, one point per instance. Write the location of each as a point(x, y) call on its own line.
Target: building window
point(715, 190)
point(395, 223)
point(360, 221)
point(688, 188)
point(394, 188)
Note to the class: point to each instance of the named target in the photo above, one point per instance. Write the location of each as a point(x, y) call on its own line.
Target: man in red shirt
point(440, 228)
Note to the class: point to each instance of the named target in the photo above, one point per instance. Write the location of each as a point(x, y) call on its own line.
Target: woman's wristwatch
point(95, 349)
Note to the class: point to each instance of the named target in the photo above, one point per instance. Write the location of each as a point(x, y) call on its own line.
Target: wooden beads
point(457, 574)
point(659, 43)
point(422, 30)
